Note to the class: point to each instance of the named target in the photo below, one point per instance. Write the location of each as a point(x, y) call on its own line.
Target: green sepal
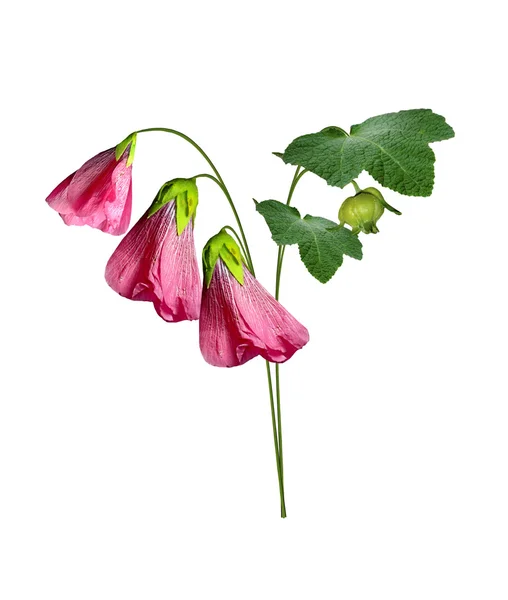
point(279, 155)
point(163, 197)
point(186, 202)
point(185, 193)
point(122, 146)
point(222, 246)
point(375, 192)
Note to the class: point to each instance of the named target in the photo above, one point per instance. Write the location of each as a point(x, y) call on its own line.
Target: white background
point(131, 469)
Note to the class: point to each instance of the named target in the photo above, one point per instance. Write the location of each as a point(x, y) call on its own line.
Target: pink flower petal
point(58, 197)
point(155, 264)
point(98, 194)
point(239, 322)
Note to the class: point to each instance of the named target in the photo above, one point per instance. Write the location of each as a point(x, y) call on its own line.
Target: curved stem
point(218, 180)
point(238, 239)
point(208, 176)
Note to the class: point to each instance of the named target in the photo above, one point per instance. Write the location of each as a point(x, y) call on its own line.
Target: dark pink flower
point(239, 321)
point(98, 194)
point(154, 263)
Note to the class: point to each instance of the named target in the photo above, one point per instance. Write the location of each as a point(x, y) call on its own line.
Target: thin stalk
point(208, 176)
point(238, 239)
point(233, 231)
point(276, 444)
point(280, 257)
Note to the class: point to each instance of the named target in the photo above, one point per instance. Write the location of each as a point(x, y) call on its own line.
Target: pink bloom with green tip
point(98, 194)
point(156, 264)
point(239, 318)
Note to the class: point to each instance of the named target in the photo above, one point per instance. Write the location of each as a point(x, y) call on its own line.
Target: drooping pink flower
point(239, 321)
point(98, 194)
point(154, 263)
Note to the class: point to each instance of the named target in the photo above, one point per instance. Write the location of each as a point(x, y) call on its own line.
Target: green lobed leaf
point(321, 242)
point(393, 148)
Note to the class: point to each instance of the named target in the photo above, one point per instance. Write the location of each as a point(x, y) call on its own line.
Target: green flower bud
point(363, 210)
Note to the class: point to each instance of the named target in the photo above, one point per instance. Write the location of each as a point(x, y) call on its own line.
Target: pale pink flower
point(154, 263)
point(98, 194)
point(238, 322)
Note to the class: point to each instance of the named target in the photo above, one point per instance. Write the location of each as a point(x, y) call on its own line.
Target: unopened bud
point(363, 210)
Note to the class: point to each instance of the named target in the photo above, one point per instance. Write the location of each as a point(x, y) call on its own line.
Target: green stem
point(208, 176)
point(356, 186)
point(276, 444)
point(238, 239)
point(218, 180)
point(280, 257)
point(279, 420)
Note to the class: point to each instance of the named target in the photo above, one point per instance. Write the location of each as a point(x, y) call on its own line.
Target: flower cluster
point(156, 262)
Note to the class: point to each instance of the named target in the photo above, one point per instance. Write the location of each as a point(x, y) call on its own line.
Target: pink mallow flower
point(239, 319)
point(99, 193)
point(156, 261)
